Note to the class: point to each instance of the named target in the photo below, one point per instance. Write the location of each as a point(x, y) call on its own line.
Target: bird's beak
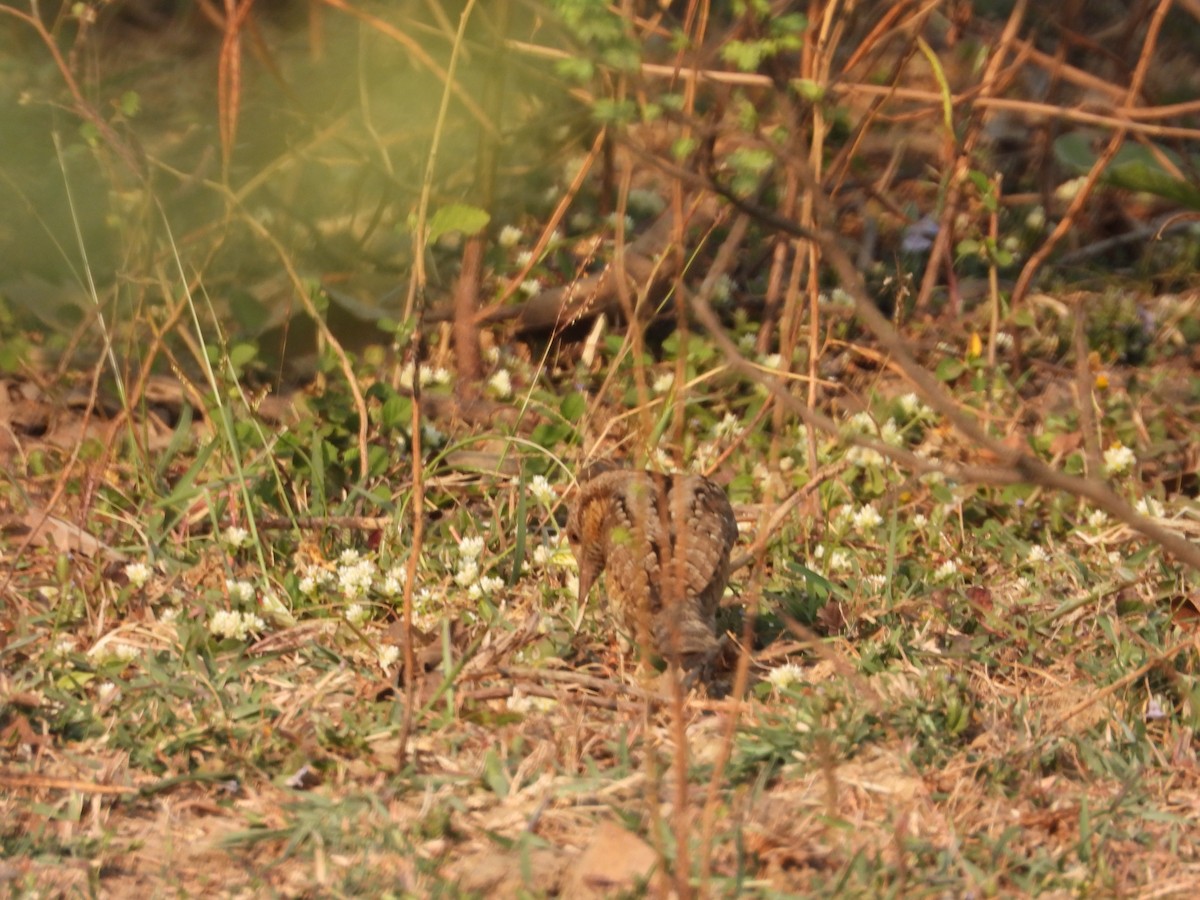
point(587, 575)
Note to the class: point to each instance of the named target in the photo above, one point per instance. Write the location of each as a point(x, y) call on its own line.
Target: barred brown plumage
point(664, 543)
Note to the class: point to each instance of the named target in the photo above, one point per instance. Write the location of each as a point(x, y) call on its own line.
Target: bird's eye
point(573, 535)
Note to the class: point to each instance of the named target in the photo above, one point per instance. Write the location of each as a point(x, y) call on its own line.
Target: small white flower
point(138, 574)
point(107, 693)
point(389, 655)
point(722, 289)
point(875, 582)
point(840, 297)
point(1005, 341)
point(661, 460)
point(1037, 554)
point(1097, 518)
point(356, 614)
point(228, 624)
point(784, 676)
point(919, 521)
point(490, 584)
point(890, 433)
point(124, 652)
point(440, 375)
point(349, 556)
point(865, 457)
point(393, 582)
point(235, 536)
point(313, 578)
point(704, 457)
point(355, 579)
point(63, 646)
point(524, 258)
point(1118, 459)
point(839, 561)
point(1114, 558)
point(866, 517)
point(168, 616)
point(862, 423)
point(509, 236)
point(727, 428)
point(541, 491)
point(467, 574)
point(773, 361)
point(1068, 190)
point(663, 382)
point(946, 570)
point(746, 342)
point(1035, 219)
point(501, 384)
point(786, 464)
point(531, 286)
point(491, 355)
point(239, 591)
point(910, 404)
point(1149, 506)
point(470, 547)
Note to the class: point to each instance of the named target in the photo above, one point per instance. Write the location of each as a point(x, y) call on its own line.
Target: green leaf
point(578, 69)
point(1135, 168)
point(573, 406)
point(130, 104)
point(950, 368)
point(242, 354)
point(460, 217)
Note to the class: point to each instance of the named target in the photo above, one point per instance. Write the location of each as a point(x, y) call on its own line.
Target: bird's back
point(669, 539)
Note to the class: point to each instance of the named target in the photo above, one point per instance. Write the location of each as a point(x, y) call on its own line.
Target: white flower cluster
point(945, 571)
point(728, 428)
point(541, 491)
point(313, 578)
point(138, 574)
point(393, 581)
point(235, 537)
point(114, 651)
point(429, 375)
point(784, 676)
point(239, 625)
point(1118, 459)
point(866, 517)
point(1148, 506)
point(509, 236)
point(469, 576)
point(865, 457)
point(239, 591)
point(1037, 554)
point(501, 385)
point(389, 655)
point(914, 408)
point(355, 574)
point(840, 561)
